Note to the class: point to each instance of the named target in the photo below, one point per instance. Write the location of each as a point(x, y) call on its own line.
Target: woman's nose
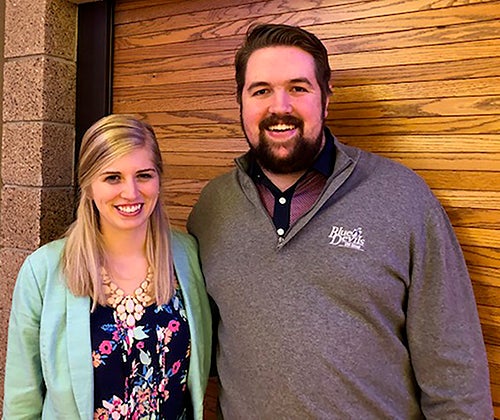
point(129, 190)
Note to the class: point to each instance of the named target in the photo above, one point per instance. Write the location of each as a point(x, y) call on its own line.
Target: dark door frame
point(94, 66)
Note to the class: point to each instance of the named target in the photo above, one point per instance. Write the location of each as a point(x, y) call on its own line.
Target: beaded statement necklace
point(129, 308)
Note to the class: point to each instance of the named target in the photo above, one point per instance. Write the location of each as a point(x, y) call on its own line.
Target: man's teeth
point(281, 127)
point(130, 209)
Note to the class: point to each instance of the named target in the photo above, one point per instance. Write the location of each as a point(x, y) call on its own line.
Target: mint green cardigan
point(49, 373)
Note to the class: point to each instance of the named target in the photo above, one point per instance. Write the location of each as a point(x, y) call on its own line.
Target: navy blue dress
point(140, 372)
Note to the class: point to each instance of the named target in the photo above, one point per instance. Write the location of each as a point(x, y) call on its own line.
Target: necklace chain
point(129, 308)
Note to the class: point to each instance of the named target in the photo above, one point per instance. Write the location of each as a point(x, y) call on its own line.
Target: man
point(341, 288)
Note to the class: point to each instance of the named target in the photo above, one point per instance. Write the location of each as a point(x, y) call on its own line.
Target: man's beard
point(303, 151)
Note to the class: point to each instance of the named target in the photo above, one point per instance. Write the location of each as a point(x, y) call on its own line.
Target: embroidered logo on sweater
point(341, 237)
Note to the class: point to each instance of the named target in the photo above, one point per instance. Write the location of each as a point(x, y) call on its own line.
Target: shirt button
point(280, 231)
point(282, 200)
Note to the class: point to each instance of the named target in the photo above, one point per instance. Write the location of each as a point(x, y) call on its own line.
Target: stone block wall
point(37, 142)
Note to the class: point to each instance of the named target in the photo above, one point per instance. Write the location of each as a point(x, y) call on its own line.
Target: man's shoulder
point(388, 176)
point(221, 183)
point(216, 197)
point(381, 165)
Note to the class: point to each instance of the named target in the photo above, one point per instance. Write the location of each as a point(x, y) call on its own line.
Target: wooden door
point(417, 81)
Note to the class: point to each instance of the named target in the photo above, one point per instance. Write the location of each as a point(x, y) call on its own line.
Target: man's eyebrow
point(257, 85)
point(301, 80)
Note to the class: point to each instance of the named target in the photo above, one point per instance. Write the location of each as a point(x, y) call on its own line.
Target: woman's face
point(125, 192)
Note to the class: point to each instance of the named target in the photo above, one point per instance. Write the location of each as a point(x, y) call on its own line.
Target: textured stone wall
point(39, 82)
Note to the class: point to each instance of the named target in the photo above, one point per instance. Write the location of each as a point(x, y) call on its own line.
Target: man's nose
point(281, 103)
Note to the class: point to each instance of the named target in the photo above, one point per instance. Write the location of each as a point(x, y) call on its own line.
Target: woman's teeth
point(129, 209)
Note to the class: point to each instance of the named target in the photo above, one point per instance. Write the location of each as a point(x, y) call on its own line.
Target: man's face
point(281, 109)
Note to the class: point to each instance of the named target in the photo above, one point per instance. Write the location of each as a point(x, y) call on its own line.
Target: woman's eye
point(112, 179)
point(145, 176)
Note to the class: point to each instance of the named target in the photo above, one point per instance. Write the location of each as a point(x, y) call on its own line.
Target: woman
point(111, 321)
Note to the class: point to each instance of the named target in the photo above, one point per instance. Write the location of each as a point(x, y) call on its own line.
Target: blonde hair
point(106, 140)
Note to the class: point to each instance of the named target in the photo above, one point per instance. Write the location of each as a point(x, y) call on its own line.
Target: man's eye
point(299, 89)
point(260, 92)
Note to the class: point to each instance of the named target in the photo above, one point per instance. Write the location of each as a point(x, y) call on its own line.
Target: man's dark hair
point(272, 35)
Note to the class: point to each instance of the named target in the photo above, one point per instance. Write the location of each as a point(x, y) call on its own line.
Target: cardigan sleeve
point(187, 266)
point(24, 388)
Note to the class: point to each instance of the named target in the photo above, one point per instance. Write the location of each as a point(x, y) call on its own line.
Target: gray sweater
point(363, 310)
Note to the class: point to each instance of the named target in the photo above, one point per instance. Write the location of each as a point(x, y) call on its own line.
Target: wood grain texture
point(417, 81)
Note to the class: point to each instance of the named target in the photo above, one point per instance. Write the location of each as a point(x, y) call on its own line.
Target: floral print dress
point(140, 372)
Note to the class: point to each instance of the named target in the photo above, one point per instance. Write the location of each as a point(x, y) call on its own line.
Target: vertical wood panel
point(417, 81)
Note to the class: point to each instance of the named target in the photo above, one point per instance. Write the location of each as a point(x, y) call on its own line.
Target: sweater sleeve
point(444, 334)
point(24, 386)
point(192, 283)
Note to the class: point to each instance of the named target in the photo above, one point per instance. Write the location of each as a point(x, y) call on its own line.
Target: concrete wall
point(37, 146)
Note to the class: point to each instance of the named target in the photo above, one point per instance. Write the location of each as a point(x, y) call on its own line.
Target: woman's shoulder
point(183, 240)
point(185, 255)
point(51, 251)
point(42, 268)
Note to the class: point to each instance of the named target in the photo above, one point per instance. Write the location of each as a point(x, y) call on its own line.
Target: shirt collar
point(325, 161)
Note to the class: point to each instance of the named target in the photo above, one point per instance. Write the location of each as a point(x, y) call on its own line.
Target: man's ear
point(327, 102)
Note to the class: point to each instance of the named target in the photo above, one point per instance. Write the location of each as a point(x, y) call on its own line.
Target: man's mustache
point(280, 119)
